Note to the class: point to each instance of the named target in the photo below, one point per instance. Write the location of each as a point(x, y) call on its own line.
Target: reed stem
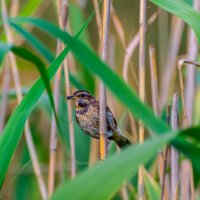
point(102, 95)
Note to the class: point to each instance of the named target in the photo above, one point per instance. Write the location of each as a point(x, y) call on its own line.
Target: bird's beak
point(70, 97)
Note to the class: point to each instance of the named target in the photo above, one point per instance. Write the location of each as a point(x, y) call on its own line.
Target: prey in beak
point(70, 97)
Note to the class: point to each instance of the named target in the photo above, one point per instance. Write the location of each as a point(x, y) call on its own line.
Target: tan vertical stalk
point(154, 80)
point(174, 153)
point(102, 95)
point(28, 137)
point(141, 87)
point(53, 137)
point(165, 180)
point(155, 98)
point(63, 23)
point(62, 14)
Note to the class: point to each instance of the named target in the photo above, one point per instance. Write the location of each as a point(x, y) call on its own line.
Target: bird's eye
point(82, 95)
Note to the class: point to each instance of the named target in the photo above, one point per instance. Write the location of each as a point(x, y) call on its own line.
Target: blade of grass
point(120, 167)
point(42, 49)
point(182, 10)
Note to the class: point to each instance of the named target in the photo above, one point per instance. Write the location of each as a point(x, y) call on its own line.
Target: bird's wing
point(110, 119)
point(111, 122)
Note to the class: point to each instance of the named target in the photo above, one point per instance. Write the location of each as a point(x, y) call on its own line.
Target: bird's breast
point(88, 120)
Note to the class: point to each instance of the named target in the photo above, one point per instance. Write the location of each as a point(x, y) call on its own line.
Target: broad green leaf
point(182, 10)
point(34, 42)
point(13, 130)
point(109, 175)
point(153, 189)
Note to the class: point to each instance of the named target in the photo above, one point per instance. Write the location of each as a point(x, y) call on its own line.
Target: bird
point(87, 117)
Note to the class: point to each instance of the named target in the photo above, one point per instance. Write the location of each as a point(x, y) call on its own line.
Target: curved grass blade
point(111, 173)
point(43, 50)
point(33, 41)
point(29, 56)
point(182, 10)
point(13, 130)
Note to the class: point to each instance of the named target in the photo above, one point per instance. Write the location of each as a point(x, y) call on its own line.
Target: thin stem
point(174, 153)
point(104, 54)
point(53, 137)
point(155, 99)
point(63, 23)
point(17, 83)
point(165, 193)
point(154, 79)
point(141, 87)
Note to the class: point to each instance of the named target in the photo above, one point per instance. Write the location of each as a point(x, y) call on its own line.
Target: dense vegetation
point(60, 44)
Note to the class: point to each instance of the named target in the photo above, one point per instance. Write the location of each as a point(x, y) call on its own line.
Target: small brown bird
point(87, 117)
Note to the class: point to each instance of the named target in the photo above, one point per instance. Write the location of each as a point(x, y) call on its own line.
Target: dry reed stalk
point(124, 192)
point(174, 153)
point(62, 16)
point(94, 144)
point(174, 41)
point(28, 137)
point(163, 37)
point(155, 99)
point(154, 80)
point(53, 135)
point(102, 95)
point(132, 46)
point(141, 87)
point(165, 181)
point(63, 24)
point(185, 180)
point(4, 99)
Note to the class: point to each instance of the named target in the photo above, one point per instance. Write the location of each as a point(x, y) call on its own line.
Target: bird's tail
point(120, 139)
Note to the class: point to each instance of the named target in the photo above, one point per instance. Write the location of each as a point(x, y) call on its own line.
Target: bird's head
point(81, 98)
